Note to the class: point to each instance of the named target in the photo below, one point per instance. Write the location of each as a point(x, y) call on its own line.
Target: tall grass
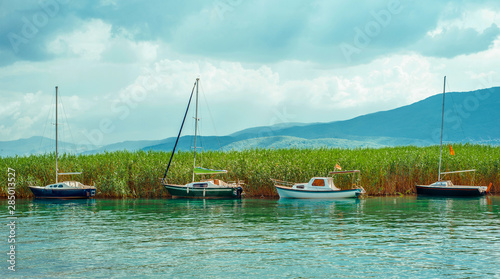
point(384, 171)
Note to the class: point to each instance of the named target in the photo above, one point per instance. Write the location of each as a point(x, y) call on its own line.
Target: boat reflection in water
point(69, 202)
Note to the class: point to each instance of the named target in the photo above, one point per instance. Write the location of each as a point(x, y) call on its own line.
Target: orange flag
point(452, 152)
point(338, 167)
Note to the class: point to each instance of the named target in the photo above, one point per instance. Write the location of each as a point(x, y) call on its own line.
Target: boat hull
point(451, 191)
point(182, 191)
point(43, 193)
point(288, 193)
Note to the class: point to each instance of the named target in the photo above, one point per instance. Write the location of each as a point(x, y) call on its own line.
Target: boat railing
point(450, 172)
point(282, 182)
point(344, 172)
point(460, 171)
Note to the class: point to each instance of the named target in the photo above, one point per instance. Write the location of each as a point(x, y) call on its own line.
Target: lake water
point(249, 238)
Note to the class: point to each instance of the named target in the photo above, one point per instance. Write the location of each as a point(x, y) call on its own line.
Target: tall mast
point(442, 122)
point(195, 126)
point(179, 135)
point(56, 139)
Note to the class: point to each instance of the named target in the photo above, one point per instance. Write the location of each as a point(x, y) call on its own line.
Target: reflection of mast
point(195, 126)
point(442, 122)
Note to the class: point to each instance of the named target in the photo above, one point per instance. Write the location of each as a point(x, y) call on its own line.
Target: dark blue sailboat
point(446, 188)
point(66, 189)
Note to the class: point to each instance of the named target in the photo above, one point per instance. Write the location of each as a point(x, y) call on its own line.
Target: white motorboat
point(317, 188)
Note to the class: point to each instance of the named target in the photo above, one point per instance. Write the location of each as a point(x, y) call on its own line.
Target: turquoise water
point(375, 237)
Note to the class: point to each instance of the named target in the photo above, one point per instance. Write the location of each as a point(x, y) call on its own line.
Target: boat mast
point(178, 136)
point(442, 122)
point(56, 139)
point(195, 126)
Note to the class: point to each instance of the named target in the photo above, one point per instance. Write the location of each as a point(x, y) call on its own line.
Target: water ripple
point(376, 237)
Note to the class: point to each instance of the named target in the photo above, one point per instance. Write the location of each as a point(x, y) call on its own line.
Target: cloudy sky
point(125, 69)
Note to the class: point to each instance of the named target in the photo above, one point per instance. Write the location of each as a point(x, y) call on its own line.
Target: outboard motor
point(239, 191)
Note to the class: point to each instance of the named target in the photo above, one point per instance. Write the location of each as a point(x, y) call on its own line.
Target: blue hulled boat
point(445, 188)
point(66, 189)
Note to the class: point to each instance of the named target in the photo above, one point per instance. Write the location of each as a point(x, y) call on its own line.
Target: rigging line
point(47, 120)
point(455, 110)
point(179, 135)
point(196, 135)
point(67, 124)
point(211, 118)
point(201, 142)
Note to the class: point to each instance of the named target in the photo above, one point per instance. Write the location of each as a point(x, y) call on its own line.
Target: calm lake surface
point(373, 237)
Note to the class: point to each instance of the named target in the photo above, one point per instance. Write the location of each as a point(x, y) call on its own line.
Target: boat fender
point(489, 187)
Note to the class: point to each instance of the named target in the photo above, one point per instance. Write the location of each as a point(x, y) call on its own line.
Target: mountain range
point(468, 117)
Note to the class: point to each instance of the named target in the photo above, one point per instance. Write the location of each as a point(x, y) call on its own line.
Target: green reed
point(384, 171)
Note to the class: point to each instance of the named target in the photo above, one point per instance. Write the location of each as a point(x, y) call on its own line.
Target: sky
point(125, 69)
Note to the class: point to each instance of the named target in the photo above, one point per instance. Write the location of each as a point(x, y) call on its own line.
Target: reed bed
point(384, 171)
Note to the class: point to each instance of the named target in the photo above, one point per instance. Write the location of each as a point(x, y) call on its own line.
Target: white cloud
point(94, 40)
point(478, 18)
point(251, 74)
point(88, 42)
point(22, 114)
point(241, 96)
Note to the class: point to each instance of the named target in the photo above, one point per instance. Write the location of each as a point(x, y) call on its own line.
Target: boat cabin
point(66, 185)
point(317, 184)
point(209, 183)
point(60, 185)
point(446, 183)
point(54, 186)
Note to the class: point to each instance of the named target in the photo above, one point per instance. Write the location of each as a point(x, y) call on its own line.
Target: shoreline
point(389, 171)
point(253, 198)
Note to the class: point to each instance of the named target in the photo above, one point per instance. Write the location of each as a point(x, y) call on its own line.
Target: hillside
point(33, 145)
point(469, 117)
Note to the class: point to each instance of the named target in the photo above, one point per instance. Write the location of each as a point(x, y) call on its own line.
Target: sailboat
point(208, 188)
point(446, 187)
point(65, 189)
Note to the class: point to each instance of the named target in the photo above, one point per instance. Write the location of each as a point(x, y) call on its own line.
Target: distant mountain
point(469, 117)
point(126, 145)
point(283, 142)
point(263, 130)
point(187, 143)
point(33, 145)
